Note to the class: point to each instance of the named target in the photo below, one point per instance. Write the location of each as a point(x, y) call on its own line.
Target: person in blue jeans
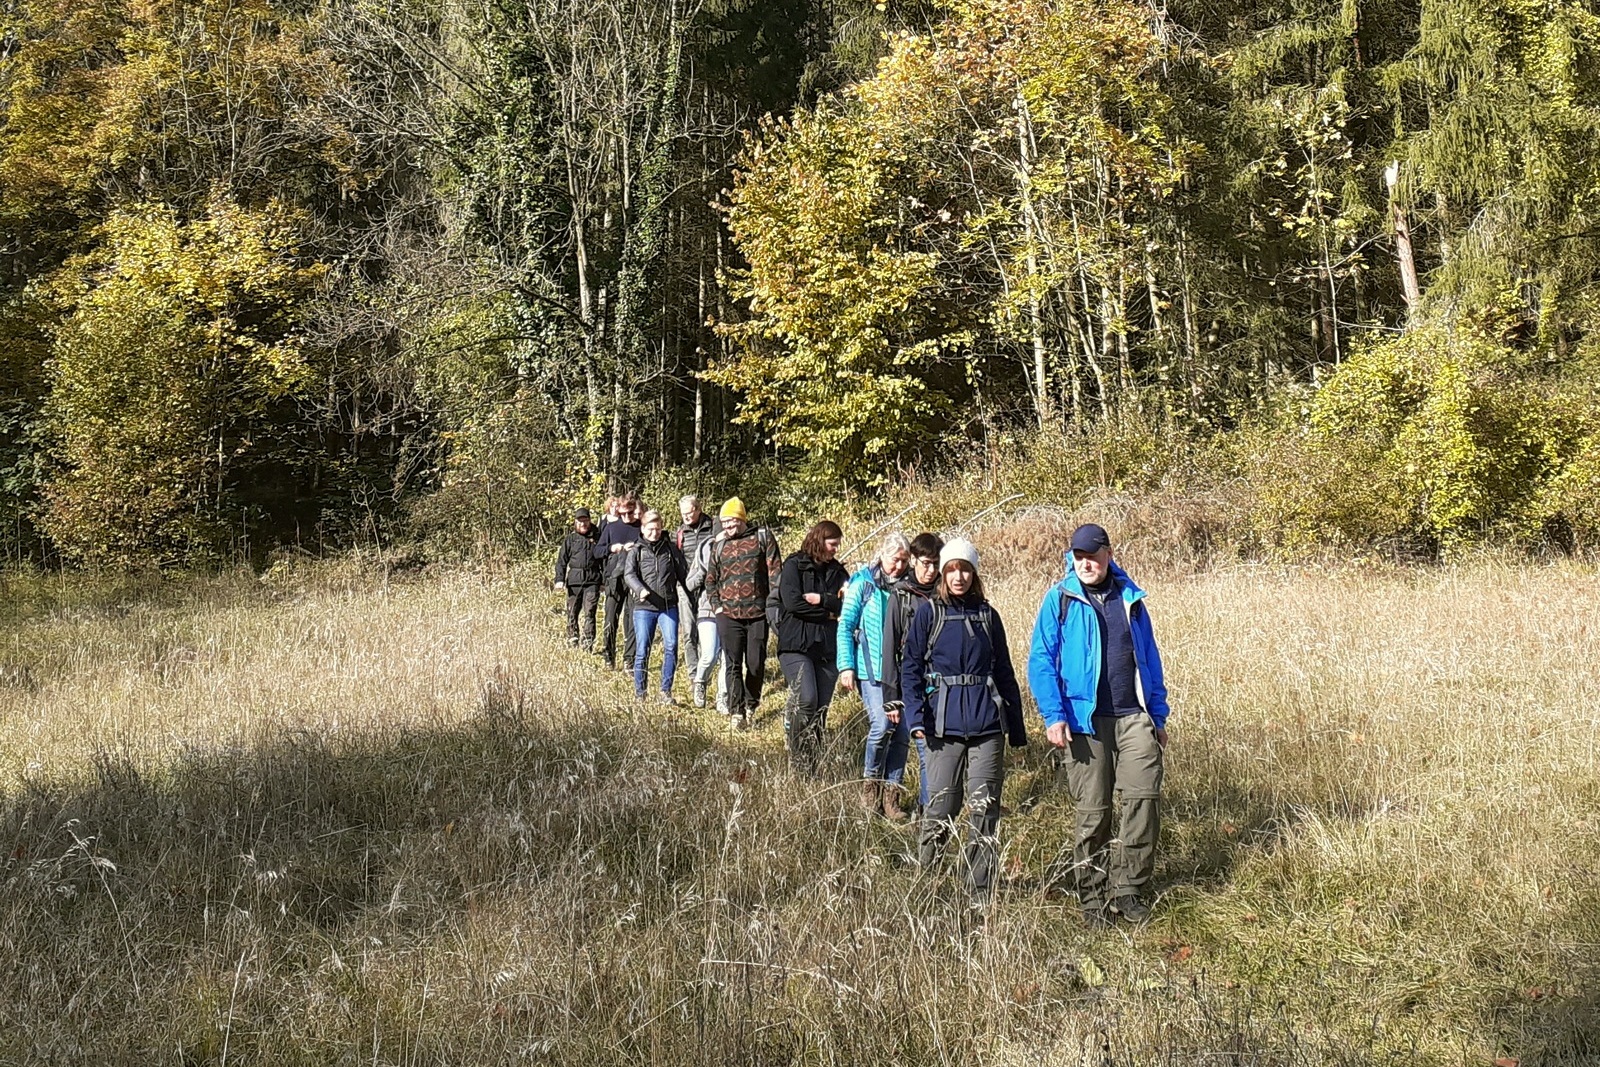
point(905, 596)
point(653, 571)
point(861, 664)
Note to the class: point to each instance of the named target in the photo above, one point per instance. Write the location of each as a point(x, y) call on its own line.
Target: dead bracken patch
point(1167, 534)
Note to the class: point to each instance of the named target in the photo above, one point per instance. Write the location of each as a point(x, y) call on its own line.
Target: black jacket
point(803, 627)
point(905, 597)
point(575, 563)
point(654, 571)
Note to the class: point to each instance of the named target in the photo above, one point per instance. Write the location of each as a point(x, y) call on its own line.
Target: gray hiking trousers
point(1122, 756)
point(968, 771)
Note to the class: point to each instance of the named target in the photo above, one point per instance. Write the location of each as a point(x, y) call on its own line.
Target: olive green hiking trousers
point(1123, 757)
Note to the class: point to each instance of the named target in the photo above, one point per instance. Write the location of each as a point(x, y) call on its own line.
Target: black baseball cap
point(1090, 537)
point(581, 513)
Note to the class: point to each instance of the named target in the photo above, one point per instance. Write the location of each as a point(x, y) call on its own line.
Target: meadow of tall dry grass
point(325, 816)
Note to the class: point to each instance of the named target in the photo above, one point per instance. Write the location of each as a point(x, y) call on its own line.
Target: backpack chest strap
point(939, 686)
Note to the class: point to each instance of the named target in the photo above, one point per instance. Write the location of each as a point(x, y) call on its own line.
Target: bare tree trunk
point(1190, 345)
point(613, 472)
point(1159, 332)
point(1402, 244)
point(700, 354)
point(1030, 223)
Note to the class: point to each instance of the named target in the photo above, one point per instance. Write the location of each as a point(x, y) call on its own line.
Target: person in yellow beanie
point(740, 573)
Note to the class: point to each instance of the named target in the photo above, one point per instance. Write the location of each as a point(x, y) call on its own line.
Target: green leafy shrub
point(1439, 436)
point(771, 492)
point(170, 382)
point(1566, 509)
point(509, 485)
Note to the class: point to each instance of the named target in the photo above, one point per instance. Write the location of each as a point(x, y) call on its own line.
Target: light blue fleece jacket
point(1064, 662)
point(860, 646)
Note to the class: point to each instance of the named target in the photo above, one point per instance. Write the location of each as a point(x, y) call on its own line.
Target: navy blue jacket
point(616, 533)
point(970, 710)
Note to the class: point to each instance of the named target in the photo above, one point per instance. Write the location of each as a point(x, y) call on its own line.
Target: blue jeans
point(645, 620)
point(710, 649)
point(887, 742)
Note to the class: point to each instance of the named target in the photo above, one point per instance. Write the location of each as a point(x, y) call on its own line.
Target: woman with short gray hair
point(861, 665)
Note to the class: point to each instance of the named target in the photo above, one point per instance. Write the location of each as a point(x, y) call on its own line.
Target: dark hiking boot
point(891, 804)
point(1131, 908)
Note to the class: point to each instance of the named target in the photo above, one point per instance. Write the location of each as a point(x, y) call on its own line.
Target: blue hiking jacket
point(1064, 662)
point(971, 710)
point(866, 599)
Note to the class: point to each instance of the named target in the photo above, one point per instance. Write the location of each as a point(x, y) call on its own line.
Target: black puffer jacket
point(575, 563)
point(654, 570)
point(804, 627)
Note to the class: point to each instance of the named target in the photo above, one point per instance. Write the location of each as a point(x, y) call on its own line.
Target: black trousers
point(619, 605)
point(744, 657)
point(582, 603)
point(811, 682)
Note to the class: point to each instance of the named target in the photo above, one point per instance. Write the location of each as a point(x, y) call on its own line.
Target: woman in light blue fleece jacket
point(860, 662)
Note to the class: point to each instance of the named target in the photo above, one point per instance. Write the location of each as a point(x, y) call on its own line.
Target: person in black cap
point(578, 572)
point(1095, 673)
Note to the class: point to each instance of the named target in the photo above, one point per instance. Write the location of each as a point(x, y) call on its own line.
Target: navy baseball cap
point(1090, 537)
point(581, 513)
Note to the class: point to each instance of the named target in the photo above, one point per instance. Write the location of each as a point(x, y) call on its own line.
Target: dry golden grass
point(320, 817)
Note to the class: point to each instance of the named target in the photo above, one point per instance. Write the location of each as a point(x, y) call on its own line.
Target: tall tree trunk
point(1409, 284)
point(613, 473)
point(1030, 225)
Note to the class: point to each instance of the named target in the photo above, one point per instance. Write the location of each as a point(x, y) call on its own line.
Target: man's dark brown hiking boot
point(1131, 908)
point(870, 788)
point(891, 804)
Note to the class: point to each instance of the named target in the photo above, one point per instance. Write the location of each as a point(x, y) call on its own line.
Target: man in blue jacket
point(1096, 675)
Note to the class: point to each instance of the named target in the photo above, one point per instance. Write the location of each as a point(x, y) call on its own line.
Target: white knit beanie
point(958, 548)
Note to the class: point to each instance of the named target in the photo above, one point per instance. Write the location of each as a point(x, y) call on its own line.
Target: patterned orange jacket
point(741, 572)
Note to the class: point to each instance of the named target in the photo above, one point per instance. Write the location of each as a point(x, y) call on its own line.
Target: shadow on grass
point(1556, 1022)
point(579, 888)
point(308, 868)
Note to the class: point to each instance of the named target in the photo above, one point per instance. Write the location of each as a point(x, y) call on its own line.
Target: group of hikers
point(914, 635)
